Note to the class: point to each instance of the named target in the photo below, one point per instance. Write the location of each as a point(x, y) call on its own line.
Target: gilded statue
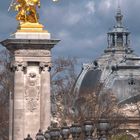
point(27, 10)
point(27, 15)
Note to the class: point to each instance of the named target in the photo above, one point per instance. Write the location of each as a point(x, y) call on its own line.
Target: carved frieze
point(32, 53)
point(18, 66)
point(32, 91)
point(130, 110)
point(45, 66)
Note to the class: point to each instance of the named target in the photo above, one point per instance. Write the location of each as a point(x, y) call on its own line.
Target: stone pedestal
point(30, 99)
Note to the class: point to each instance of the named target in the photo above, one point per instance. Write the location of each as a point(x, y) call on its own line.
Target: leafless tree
point(5, 86)
point(63, 76)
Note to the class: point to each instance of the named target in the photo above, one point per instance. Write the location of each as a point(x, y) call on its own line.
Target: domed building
point(117, 70)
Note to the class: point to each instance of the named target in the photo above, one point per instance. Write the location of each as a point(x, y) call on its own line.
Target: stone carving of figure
point(32, 91)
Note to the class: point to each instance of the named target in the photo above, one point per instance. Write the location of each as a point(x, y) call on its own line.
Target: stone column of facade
point(18, 112)
point(45, 90)
point(31, 95)
point(124, 40)
point(108, 40)
point(115, 40)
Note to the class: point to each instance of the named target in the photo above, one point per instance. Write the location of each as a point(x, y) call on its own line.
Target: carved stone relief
point(45, 66)
point(33, 53)
point(32, 91)
point(130, 110)
point(18, 66)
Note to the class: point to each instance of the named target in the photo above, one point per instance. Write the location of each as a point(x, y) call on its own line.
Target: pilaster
point(45, 68)
point(19, 69)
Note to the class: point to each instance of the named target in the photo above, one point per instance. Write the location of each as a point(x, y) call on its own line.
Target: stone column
point(115, 40)
point(31, 60)
point(45, 95)
point(124, 40)
point(111, 41)
point(18, 104)
point(108, 40)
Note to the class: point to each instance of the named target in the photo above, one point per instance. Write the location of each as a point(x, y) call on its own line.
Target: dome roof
point(117, 69)
point(121, 75)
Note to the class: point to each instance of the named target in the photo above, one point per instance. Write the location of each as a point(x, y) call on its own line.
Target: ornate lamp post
point(65, 132)
point(103, 127)
point(75, 131)
point(88, 129)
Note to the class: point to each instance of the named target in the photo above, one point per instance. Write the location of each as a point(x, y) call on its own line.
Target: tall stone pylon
point(30, 49)
point(30, 97)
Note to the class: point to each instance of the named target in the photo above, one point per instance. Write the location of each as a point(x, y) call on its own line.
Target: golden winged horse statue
point(27, 10)
point(27, 15)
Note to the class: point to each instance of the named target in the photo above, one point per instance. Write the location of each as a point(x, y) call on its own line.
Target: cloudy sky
point(81, 25)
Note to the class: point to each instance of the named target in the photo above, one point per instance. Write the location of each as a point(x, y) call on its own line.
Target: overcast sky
point(81, 25)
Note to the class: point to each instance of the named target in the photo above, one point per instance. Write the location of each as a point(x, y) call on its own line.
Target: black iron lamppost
point(88, 129)
point(75, 130)
point(65, 132)
point(103, 128)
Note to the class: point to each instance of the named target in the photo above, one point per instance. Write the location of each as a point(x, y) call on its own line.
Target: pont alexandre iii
point(30, 64)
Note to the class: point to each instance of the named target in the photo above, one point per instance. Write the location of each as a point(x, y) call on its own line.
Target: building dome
point(118, 69)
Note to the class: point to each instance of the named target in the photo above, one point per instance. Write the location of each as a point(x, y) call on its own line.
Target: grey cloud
point(81, 24)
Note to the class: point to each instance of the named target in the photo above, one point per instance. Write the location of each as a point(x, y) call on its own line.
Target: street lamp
point(75, 130)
